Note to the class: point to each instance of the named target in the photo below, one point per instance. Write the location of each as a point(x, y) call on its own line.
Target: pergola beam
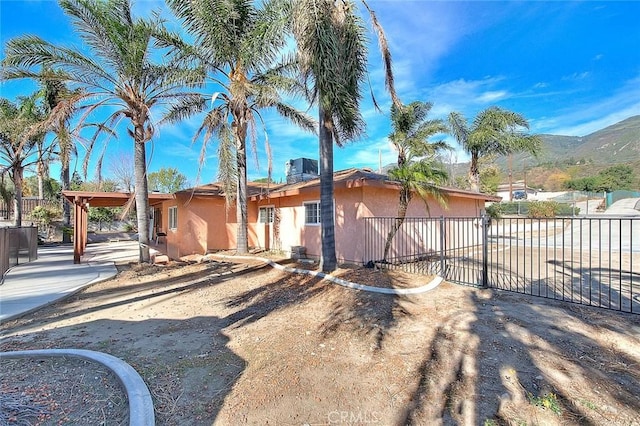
point(81, 200)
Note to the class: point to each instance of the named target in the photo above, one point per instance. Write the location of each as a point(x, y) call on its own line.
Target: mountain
point(619, 143)
point(616, 144)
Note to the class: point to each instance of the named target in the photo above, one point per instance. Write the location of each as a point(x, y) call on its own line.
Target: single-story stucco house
point(283, 216)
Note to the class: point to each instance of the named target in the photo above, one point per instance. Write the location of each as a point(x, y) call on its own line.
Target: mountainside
point(619, 143)
point(616, 144)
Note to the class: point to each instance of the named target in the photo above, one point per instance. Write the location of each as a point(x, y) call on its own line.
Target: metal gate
point(591, 261)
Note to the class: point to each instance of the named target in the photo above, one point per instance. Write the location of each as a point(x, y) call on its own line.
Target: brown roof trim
point(354, 178)
point(111, 199)
point(349, 178)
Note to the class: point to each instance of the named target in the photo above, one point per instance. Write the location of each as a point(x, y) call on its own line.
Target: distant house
point(519, 191)
point(282, 216)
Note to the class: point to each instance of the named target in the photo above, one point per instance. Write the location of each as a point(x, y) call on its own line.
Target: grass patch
point(548, 401)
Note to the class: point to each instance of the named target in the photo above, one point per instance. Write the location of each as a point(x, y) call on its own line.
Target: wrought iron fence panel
point(590, 261)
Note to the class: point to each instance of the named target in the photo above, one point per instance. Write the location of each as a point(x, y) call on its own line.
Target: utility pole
point(510, 179)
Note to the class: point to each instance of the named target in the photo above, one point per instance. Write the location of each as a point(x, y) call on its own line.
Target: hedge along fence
point(532, 209)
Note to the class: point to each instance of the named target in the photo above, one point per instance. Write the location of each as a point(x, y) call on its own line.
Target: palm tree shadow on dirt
point(498, 361)
point(363, 312)
point(599, 285)
point(90, 301)
point(289, 290)
point(367, 314)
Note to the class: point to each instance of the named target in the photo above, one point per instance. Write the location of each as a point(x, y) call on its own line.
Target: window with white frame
point(312, 213)
point(173, 217)
point(265, 215)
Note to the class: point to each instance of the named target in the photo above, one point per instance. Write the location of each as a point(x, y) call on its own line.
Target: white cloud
point(492, 96)
point(577, 76)
point(367, 155)
point(588, 116)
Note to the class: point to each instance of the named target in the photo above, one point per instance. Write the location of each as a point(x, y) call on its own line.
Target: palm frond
point(227, 166)
point(186, 106)
point(386, 55)
point(300, 119)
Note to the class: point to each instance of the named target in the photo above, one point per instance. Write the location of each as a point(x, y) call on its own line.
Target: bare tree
point(121, 168)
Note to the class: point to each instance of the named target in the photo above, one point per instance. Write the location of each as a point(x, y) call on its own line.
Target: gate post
point(485, 251)
point(442, 248)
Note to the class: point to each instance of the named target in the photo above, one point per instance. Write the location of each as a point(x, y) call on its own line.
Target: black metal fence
point(592, 261)
point(17, 245)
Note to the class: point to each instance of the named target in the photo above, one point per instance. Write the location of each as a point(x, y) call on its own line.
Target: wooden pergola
point(82, 200)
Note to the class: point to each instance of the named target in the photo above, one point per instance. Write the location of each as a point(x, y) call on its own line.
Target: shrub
point(548, 209)
point(532, 209)
point(495, 210)
point(44, 215)
point(542, 209)
point(514, 207)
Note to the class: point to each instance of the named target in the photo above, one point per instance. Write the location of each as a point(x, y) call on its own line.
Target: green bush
point(514, 207)
point(565, 209)
point(542, 209)
point(549, 209)
point(44, 215)
point(532, 209)
point(494, 211)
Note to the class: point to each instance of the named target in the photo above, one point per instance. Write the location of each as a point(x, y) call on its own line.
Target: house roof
point(217, 189)
point(348, 178)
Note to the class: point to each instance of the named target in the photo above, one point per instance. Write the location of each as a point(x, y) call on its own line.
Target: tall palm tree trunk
point(474, 174)
point(18, 172)
point(242, 236)
point(328, 262)
point(41, 177)
point(405, 198)
point(66, 206)
point(142, 193)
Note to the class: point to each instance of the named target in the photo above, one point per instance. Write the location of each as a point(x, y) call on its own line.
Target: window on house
point(312, 213)
point(173, 217)
point(265, 215)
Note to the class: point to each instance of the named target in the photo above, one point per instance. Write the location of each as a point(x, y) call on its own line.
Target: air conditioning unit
point(301, 169)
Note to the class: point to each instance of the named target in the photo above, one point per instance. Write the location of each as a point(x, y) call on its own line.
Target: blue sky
point(569, 67)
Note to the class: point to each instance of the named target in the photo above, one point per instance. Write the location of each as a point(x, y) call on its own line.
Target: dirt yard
point(223, 344)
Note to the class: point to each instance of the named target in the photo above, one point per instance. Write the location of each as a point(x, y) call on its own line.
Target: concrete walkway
point(625, 207)
point(54, 276)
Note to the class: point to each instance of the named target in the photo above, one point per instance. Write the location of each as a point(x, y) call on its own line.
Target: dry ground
point(223, 344)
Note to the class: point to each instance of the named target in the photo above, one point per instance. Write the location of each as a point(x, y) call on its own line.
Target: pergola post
point(81, 201)
point(77, 228)
point(85, 226)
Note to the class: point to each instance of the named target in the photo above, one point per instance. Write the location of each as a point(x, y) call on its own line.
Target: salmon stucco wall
point(383, 202)
point(206, 224)
point(289, 228)
point(202, 226)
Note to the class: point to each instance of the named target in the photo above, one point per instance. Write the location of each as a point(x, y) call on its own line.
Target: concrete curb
point(141, 412)
point(397, 291)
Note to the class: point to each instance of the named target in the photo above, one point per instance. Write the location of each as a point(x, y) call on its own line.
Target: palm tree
point(494, 131)
point(332, 46)
point(119, 75)
point(239, 45)
point(61, 104)
point(417, 170)
point(18, 140)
